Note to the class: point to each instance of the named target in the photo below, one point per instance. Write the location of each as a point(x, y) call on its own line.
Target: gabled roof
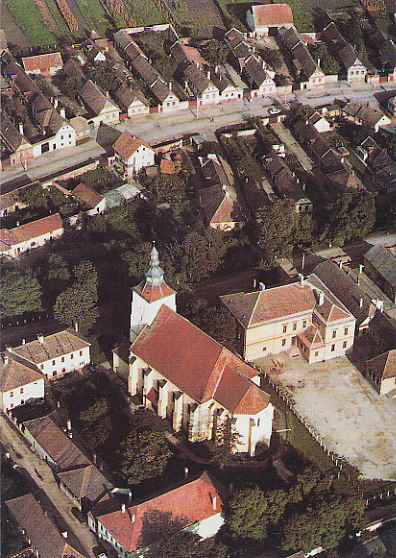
point(384, 262)
point(239, 395)
point(73, 68)
point(10, 135)
point(196, 77)
point(127, 144)
point(219, 205)
point(85, 483)
point(90, 198)
point(311, 337)
point(94, 99)
point(368, 114)
point(53, 346)
point(383, 366)
point(55, 442)
point(183, 54)
point(125, 96)
point(259, 307)
point(201, 361)
point(41, 529)
point(255, 71)
point(43, 62)
point(24, 233)
point(330, 312)
point(15, 374)
point(213, 171)
point(181, 507)
point(153, 292)
point(272, 14)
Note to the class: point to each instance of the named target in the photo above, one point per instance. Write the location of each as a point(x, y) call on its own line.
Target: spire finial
point(155, 274)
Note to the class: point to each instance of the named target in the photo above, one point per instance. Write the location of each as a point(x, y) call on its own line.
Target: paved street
point(156, 128)
point(42, 475)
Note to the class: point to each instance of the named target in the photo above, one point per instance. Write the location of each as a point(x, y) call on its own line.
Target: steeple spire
point(155, 274)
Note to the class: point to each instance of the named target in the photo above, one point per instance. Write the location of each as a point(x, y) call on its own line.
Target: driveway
point(43, 476)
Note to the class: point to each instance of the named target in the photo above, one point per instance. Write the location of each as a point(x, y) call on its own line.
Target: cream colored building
point(381, 372)
point(187, 377)
point(273, 320)
point(19, 382)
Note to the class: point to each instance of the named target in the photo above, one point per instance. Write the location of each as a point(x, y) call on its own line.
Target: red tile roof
point(179, 508)
point(127, 144)
point(15, 374)
point(311, 337)
point(331, 312)
point(383, 366)
point(43, 62)
point(23, 233)
point(167, 166)
point(153, 292)
point(52, 346)
point(197, 364)
point(272, 14)
point(239, 395)
point(87, 196)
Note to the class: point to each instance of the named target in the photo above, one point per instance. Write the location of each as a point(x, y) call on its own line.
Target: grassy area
point(61, 26)
point(145, 12)
point(95, 14)
point(28, 18)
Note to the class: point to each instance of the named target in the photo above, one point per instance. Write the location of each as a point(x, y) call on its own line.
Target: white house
point(92, 202)
point(14, 242)
point(19, 382)
point(132, 154)
point(193, 507)
point(132, 102)
point(56, 354)
point(267, 19)
point(100, 109)
point(43, 64)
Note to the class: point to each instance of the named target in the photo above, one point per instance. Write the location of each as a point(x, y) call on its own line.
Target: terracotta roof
point(167, 166)
point(178, 508)
point(271, 304)
point(201, 361)
point(153, 292)
point(183, 53)
point(32, 230)
point(239, 395)
point(55, 345)
point(85, 483)
point(86, 195)
point(127, 144)
point(15, 374)
point(330, 312)
point(383, 366)
point(43, 62)
point(311, 337)
point(41, 529)
point(218, 205)
point(272, 14)
point(55, 442)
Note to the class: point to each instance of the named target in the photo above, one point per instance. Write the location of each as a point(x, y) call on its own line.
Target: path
point(13, 34)
point(287, 138)
point(42, 475)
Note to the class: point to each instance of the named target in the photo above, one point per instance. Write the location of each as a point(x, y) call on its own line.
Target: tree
point(86, 276)
point(99, 408)
point(58, 275)
point(70, 86)
point(247, 517)
point(185, 544)
point(76, 305)
point(226, 442)
point(215, 52)
point(202, 253)
point(21, 292)
point(144, 456)
point(277, 226)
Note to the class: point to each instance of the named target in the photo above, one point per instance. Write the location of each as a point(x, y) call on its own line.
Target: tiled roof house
point(31, 235)
point(19, 382)
point(381, 371)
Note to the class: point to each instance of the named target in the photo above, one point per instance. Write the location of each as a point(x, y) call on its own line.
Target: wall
point(143, 312)
point(34, 390)
point(71, 361)
point(35, 242)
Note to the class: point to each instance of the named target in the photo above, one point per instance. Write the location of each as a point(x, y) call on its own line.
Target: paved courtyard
point(350, 417)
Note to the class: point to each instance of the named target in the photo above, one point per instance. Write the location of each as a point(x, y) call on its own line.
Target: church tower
point(149, 296)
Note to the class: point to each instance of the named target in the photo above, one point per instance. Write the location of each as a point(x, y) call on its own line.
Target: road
point(42, 475)
point(156, 127)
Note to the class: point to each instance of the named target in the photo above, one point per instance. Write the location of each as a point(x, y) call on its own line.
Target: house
point(84, 485)
point(386, 53)
point(94, 54)
point(365, 114)
point(14, 242)
point(353, 69)
point(41, 531)
point(43, 64)
point(257, 76)
point(137, 529)
point(347, 291)
point(238, 46)
point(199, 85)
point(383, 330)
point(381, 371)
point(320, 123)
point(55, 354)
point(184, 54)
point(74, 69)
point(90, 199)
point(19, 382)
point(299, 314)
point(228, 90)
point(380, 266)
point(132, 154)
point(81, 128)
point(131, 102)
point(267, 19)
point(381, 164)
point(16, 149)
point(100, 108)
point(306, 71)
point(220, 207)
point(12, 201)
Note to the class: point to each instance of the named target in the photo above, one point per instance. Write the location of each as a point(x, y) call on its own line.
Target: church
point(187, 377)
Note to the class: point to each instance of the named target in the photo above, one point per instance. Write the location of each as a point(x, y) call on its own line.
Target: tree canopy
point(144, 455)
point(185, 544)
point(215, 52)
point(21, 292)
point(277, 225)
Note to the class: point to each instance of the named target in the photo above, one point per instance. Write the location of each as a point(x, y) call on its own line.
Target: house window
point(63, 370)
point(12, 405)
point(21, 390)
point(41, 366)
point(316, 353)
point(334, 334)
point(53, 362)
point(304, 323)
point(294, 326)
point(284, 328)
point(332, 348)
point(11, 394)
point(72, 355)
point(346, 329)
point(264, 348)
point(344, 345)
point(63, 359)
point(80, 353)
point(54, 373)
point(283, 342)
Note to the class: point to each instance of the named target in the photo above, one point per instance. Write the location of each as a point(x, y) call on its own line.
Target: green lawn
point(28, 18)
point(145, 12)
point(95, 14)
point(62, 28)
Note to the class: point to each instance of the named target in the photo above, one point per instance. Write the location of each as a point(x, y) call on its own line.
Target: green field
point(27, 17)
point(62, 28)
point(145, 12)
point(94, 14)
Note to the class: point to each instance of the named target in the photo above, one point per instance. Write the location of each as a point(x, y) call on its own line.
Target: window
point(72, 355)
point(334, 334)
point(344, 345)
point(63, 370)
point(21, 390)
point(283, 342)
point(53, 362)
point(332, 348)
point(264, 348)
point(63, 359)
point(41, 366)
point(54, 373)
point(316, 353)
point(11, 394)
point(284, 328)
point(294, 326)
point(346, 329)
point(12, 405)
point(80, 353)
point(304, 323)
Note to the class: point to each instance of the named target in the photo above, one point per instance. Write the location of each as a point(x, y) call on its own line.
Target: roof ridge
point(254, 307)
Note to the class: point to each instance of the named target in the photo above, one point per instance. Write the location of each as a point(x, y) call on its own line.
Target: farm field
point(28, 19)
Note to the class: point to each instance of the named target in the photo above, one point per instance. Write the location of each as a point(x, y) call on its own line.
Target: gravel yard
point(350, 417)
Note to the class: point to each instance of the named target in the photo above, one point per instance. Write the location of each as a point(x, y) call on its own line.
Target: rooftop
point(24, 233)
point(43, 62)
point(272, 14)
point(86, 195)
point(51, 346)
point(15, 374)
point(384, 262)
point(127, 144)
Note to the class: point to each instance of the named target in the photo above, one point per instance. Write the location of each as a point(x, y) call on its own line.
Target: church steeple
point(150, 295)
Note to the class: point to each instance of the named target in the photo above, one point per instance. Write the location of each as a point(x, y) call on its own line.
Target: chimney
point(20, 126)
point(208, 74)
point(301, 277)
point(123, 508)
point(320, 298)
point(170, 86)
point(40, 338)
point(64, 534)
point(6, 358)
point(94, 457)
point(76, 327)
point(360, 302)
point(70, 434)
point(56, 102)
point(129, 496)
point(133, 517)
point(303, 186)
point(68, 424)
point(261, 286)
point(185, 473)
point(214, 503)
point(62, 112)
point(23, 341)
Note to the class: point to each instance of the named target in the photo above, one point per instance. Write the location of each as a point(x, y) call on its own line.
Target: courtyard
point(351, 419)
